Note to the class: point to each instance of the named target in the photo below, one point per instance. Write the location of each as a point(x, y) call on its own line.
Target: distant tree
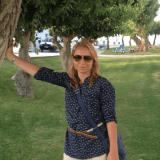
point(9, 15)
point(155, 30)
point(107, 42)
point(140, 23)
point(122, 39)
point(144, 21)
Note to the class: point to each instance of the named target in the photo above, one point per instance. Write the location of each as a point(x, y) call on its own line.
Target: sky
point(157, 18)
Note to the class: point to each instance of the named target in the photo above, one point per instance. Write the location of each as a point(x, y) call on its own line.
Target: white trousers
point(102, 157)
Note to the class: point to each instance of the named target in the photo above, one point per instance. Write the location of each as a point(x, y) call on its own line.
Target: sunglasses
point(77, 58)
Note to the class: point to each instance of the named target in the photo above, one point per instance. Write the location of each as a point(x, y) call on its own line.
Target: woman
point(98, 97)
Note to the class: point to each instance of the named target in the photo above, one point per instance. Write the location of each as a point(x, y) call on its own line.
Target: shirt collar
point(86, 81)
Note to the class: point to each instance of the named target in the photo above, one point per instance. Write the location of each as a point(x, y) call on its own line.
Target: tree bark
point(122, 39)
point(154, 39)
point(22, 80)
point(149, 44)
point(108, 42)
point(65, 51)
point(144, 44)
point(9, 14)
point(137, 41)
point(87, 39)
point(130, 42)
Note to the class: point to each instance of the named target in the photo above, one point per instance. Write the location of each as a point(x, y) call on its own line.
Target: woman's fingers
point(9, 50)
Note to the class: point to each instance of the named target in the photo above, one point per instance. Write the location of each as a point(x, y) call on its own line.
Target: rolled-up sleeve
point(48, 75)
point(108, 101)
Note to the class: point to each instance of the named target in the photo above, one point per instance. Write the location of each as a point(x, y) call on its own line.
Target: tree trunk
point(87, 39)
point(149, 44)
point(144, 44)
point(65, 51)
point(9, 15)
point(108, 42)
point(122, 39)
point(22, 80)
point(154, 39)
point(130, 42)
point(137, 41)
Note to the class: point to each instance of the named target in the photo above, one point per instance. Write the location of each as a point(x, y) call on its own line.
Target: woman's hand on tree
point(9, 52)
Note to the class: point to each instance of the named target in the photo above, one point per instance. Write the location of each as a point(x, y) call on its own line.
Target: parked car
point(47, 45)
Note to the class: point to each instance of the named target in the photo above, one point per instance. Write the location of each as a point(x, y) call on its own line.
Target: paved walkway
point(43, 54)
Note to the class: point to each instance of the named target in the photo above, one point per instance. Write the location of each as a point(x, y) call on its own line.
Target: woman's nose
point(82, 61)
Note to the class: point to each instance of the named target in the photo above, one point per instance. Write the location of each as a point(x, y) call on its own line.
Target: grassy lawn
point(151, 51)
point(34, 129)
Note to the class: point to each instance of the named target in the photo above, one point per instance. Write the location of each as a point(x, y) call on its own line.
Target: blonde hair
point(95, 67)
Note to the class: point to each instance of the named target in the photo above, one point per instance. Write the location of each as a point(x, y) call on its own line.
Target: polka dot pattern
point(100, 103)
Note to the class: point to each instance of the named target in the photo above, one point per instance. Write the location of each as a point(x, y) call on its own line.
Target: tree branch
point(54, 40)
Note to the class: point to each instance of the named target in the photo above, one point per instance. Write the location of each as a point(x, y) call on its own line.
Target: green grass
point(34, 129)
point(151, 51)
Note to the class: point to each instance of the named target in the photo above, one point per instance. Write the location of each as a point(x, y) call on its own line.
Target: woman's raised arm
point(20, 63)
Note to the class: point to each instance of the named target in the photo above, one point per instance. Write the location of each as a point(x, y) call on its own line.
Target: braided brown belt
point(84, 133)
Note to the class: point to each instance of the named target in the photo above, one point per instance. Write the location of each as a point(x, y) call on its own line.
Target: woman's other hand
point(112, 156)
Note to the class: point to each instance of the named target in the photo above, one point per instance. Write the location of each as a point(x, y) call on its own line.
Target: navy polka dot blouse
point(100, 103)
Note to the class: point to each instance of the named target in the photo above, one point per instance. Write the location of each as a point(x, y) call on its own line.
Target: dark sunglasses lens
point(87, 58)
point(77, 57)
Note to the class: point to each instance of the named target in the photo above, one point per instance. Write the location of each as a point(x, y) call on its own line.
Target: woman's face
point(83, 65)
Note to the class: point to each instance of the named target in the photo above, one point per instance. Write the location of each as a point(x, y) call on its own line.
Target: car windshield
point(47, 40)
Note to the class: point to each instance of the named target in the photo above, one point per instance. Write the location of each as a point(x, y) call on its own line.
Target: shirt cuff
point(111, 120)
